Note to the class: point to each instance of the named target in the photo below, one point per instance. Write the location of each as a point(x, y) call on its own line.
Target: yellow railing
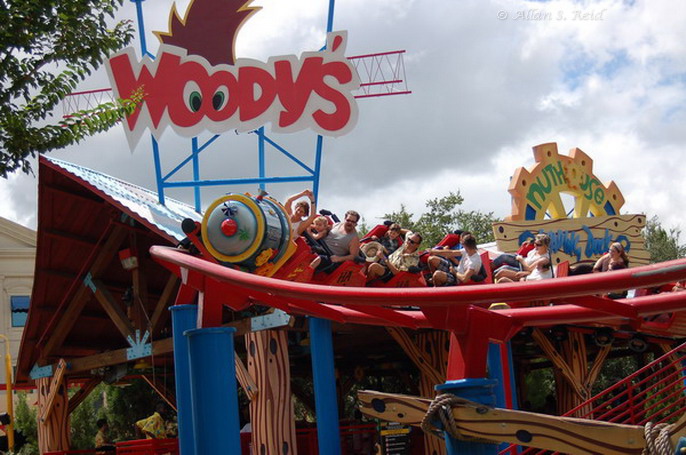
point(10, 403)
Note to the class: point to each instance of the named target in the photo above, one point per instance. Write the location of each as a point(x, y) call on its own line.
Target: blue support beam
point(479, 390)
point(213, 390)
point(184, 318)
point(326, 406)
point(500, 370)
point(260, 156)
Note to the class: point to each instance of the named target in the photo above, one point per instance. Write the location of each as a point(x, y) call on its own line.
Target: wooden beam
point(417, 356)
point(85, 390)
point(82, 197)
point(68, 318)
point(558, 361)
point(115, 357)
point(70, 275)
point(53, 433)
point(70, 236)
point(598, 363)
point(244, 379)
point(113, 309)
point(159, 347)
point(140, 290)
point(55, 384)
point(160, 314)
point(474, 420)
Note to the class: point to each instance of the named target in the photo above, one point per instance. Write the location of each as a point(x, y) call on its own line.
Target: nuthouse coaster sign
point(561, 196)
point(196, 83)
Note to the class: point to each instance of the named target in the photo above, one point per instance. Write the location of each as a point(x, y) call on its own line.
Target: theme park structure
point(100, 301)
point(212, 293)
point(272, 270)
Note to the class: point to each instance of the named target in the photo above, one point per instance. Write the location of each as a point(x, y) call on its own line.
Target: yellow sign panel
point(395, 431)
point(579, 239)
point(536, 192)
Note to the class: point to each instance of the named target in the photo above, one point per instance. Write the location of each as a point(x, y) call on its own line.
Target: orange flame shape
point(209, 28)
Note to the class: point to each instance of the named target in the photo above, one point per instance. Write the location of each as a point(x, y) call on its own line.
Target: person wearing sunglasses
point(401, 260)
point(343, 243)
point(537, 265)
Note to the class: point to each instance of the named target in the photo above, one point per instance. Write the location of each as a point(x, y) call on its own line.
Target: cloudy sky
point(489, 80)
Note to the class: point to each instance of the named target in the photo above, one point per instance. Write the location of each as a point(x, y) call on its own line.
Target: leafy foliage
point(25, 422)
point(46, 48)
point(121, 406)
point(540, 387)
point(663, 245)
point(444, 216)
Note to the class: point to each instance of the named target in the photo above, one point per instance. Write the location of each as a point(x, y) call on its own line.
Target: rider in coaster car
point(342, 242)
point(405, 258)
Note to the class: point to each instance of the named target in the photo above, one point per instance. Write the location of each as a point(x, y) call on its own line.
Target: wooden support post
point(245, 380)
point(271, 410)
point(160, 313)
point(140, 296)
point(575, 355)
point(574, 378)
point(420, 358)
point(57, 379)
point(53, 432)
point(113, 309)
point(434, 345)
point(430, 355)
point(558, 361)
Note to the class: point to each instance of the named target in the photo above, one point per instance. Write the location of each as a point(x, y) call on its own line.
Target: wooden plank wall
point(570, 237)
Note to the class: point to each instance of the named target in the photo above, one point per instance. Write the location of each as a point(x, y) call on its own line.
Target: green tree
point(126, 405)
point(25, 422)
point(662, 244)
point(122, 406)
point(83, 418)
point(443, 215)
point(46, 48)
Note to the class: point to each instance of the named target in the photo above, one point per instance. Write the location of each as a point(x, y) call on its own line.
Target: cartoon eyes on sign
point(197, 84)
point(194, 100)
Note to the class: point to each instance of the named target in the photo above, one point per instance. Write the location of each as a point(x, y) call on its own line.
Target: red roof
point(78, 210)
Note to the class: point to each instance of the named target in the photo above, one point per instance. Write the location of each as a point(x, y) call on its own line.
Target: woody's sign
point(196, 84)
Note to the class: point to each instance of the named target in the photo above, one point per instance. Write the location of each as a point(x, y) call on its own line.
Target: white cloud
point(610, 79)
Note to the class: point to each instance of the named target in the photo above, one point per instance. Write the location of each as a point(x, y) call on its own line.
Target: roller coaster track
point(575, 298)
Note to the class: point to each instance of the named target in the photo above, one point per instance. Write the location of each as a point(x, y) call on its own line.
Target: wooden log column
point(53, 416)
point(271, 410)
point(573, 377)
point(429, 352)
point(434, 345)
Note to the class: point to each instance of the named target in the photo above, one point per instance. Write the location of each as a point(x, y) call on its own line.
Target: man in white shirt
point(444, 273)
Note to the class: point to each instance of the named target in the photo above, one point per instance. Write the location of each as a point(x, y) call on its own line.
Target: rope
point(657, 439)
point(441, 408)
